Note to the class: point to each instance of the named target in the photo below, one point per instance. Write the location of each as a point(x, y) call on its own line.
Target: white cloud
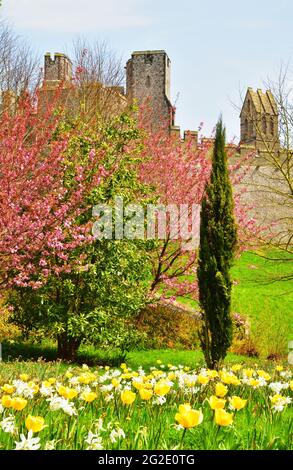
point(74, 16)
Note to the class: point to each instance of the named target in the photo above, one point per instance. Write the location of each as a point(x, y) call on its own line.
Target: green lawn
point(260, 294)
point(263, 298)
point(41, 359)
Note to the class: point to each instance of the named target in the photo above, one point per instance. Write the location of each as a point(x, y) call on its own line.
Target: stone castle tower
point(148, 80)
point(259, 121)
point(57, 69)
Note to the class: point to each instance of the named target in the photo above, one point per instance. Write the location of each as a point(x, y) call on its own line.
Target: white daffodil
point(59, 403)
point(50, 445)
point(8, 425)
point(94, 441)
point(117, 434)
point(28, 443)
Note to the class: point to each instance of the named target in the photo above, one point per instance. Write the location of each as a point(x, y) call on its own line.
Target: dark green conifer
point(218, 238)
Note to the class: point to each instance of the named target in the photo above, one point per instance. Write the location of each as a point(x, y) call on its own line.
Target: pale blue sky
point(217, 48)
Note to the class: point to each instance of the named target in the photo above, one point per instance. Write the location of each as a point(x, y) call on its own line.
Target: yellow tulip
point(203, 379)
point(127, 375)
point(171, 376)
point(145, 394)
point(86, 378)
point(157, 373)
point(24, 377)
point(221, 390)
point(6, 401)
point(237, 403)
point(127, 397)
point(189, 419)
point(138, 385)
point(34, 387)
point(115, 382)
point(71, 393)
point(236, 367)
point(291, 385)
point(212, 373)
point(184, 408)
point(189, 383)
point(248, 372)
point(67, 392)
point(88, 396)
point(34, 423)
point(276, 398)
point(52, 380)
point(264, 374)
point(7, 388)
point(279, 368)
point(123, 366)
point(18, 403)
point(222, 418)
point(216, 403)
point(254, 383)
point(62, 391)
point(46, 383)
point(148, 385)
point(161, 388)
point(229, 379)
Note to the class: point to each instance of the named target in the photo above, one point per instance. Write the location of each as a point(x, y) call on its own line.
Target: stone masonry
point(148, 82)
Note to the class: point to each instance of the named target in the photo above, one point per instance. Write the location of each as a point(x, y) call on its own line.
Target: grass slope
point(261, 294)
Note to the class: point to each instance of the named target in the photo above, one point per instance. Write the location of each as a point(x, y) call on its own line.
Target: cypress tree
point(218, 238)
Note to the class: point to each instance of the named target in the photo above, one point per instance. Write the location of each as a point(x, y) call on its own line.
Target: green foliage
point(108, 285)
point(8, 332)
point(167, 327)
point(217, 244)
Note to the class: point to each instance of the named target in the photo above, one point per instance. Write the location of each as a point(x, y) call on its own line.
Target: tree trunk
point(67, 347)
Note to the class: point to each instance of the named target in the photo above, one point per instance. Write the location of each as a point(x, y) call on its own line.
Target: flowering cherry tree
point(179, 170)
point(41, 195)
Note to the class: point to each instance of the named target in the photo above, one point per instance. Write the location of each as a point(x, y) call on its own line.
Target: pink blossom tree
point(43, 190)
point(179, 170)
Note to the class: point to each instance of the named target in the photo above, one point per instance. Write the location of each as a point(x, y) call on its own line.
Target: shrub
point(7, 330)
point(169, 325)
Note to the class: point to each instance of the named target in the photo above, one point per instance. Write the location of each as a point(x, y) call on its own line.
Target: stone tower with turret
point(57, 76)
point(148, 82)
point(58, 69)
point(259, 121)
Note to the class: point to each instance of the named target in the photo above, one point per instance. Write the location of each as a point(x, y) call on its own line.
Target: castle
point(148, 79)
point(148, 75)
